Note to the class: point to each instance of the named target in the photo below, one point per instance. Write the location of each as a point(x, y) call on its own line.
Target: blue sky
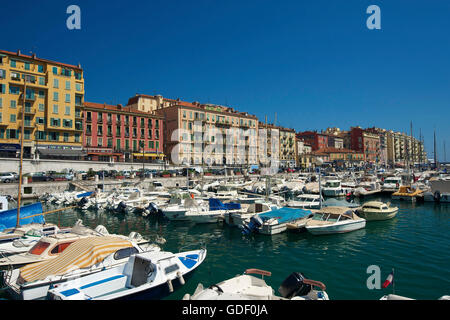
point(313, 63)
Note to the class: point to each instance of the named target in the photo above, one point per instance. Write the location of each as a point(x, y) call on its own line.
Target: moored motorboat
point(83, 257)
point(377, 210)
point(249, 287)
point(332, 220)
point(408, 193)
point(147, 275)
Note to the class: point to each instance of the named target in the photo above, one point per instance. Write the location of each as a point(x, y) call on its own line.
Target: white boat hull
point(338, 227)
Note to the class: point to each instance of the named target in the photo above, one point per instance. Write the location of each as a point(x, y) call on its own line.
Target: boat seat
point(257, 292)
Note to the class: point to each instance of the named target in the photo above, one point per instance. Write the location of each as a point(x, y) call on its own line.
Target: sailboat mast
point(19, 191)
point(435, 157)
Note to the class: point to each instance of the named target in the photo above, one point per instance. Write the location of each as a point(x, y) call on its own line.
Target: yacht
point(333, 188)
point(306, 201)
point(391, 184)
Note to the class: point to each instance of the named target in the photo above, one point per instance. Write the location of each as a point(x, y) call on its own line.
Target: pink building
point(121, 133)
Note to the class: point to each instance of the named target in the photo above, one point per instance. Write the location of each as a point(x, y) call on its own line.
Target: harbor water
point(416, 243)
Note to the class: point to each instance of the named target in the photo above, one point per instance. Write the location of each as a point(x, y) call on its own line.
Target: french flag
point(389, 280)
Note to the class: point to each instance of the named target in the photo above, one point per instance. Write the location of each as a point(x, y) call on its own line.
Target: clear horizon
point(315, 60)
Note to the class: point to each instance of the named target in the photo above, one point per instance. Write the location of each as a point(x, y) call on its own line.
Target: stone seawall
point(37, 189)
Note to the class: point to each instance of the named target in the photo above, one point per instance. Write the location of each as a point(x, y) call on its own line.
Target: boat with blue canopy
point(275, 221)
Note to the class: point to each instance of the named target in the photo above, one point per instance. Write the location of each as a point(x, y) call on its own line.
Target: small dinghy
point(248, 287)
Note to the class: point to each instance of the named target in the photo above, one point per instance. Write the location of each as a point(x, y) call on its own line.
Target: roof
point(40, 59)
point(81, 254)
point(118, 108)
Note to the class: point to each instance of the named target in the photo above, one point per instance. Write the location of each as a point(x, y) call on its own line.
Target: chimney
point(18, 52)
point(33, 55)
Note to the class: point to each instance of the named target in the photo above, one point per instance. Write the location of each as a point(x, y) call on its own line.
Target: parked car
point(8, 177)
point(41, 176)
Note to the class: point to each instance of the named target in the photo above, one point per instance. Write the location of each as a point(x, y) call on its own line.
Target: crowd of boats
point(41, 260)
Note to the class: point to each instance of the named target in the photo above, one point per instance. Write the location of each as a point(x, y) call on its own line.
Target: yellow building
point(54, 94)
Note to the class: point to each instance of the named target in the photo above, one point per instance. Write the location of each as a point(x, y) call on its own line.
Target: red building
point(367, 143)
point(316, 140)
point(121, 134)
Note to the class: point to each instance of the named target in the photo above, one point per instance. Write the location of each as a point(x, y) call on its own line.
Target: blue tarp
point(86, 194)
point(216, 204)
point(285, 214)
point(8, 218)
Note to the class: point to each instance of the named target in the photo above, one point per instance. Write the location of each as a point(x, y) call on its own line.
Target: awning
point(62, 152)
point(149, 155)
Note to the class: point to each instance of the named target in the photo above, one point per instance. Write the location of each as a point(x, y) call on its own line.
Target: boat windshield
point(318, 217)
point(333, 184)
point(390, 181)
point(333, 217)
point(39, 247)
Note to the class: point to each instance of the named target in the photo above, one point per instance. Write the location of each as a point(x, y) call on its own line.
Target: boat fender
point(180, 278)
point(169, 284)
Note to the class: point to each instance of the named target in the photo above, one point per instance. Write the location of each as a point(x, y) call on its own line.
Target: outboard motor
point(253, 225)
point(294, 286)
point(121, 207)
point(153, 208)
point(437, 196)
point(82, 202)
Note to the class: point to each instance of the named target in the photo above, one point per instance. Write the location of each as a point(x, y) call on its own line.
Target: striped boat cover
point(82, 253)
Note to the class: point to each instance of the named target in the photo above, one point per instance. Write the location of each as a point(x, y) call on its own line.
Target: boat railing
point(258, 271)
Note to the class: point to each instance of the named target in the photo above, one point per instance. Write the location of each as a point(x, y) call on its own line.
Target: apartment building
point(117, 133)
point(48, 95)
point(208, 134)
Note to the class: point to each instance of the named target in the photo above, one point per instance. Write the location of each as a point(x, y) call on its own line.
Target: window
point(55, 83)
point(66, 137)
point(39, 247)
point(78, 75)
point(2, 74)
point(40, 135)
point(13, 64)
point(151, 145)
point(100, 142)
point(27, 66)
point(55, 70)
point(78, 87)
point(125, 253)
point(55, 96)
point(67, 123)
point(1, 102)
point(41, 107)
point(26, 135)
point(40, 120)
point(55, 109)
point(2, 88)
point(40, 68)
point(41, 94)
point(54, 122)
point(1, 119)
point(60, 247)
point(13, 104)
point(42, 81)
point(77, 137)
point(67, 113)
point(12, 118)
point(14, 90)
point(157, 144)
point(67, 85)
